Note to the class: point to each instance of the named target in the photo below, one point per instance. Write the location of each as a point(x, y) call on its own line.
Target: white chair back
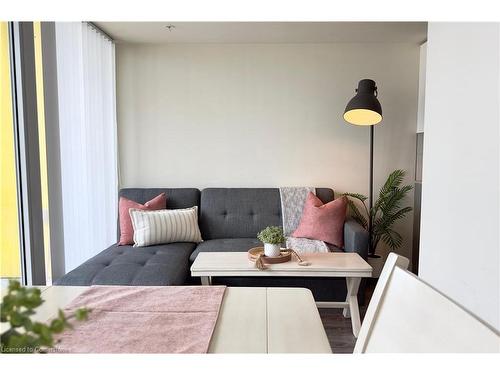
point(406, 315)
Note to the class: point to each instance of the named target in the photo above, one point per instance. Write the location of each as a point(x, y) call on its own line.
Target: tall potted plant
point(386, 210)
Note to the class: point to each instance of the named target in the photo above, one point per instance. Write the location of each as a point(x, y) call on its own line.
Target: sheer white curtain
point(88, 146)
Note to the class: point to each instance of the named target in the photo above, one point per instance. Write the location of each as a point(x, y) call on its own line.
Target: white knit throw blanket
point(292, 205)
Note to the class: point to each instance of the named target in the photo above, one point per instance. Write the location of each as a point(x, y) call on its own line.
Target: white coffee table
point(346, 265)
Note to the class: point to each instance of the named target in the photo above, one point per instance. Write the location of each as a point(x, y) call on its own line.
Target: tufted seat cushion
point(126, 265)
point(225, 244)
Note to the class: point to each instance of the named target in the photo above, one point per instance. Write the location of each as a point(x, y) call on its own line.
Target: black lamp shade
point(364, 108)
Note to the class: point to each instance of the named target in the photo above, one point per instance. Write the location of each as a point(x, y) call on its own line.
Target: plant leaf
point(356, 214)
point(393, 180)
point(361, 197)
point(393, 239)
point(82, 314)
point(387, 209)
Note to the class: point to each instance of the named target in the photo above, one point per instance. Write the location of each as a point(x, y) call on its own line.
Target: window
point(87, 130)
point(10, 256)
point(59, 155)
point(42, 146)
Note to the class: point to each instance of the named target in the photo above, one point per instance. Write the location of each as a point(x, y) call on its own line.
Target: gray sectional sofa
point(229, 220)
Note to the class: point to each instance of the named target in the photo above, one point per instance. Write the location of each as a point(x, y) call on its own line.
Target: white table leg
point(346, 311)
point(206, 280)
point(352, 297)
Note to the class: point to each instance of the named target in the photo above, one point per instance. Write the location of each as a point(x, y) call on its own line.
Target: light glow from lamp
point(363, 117)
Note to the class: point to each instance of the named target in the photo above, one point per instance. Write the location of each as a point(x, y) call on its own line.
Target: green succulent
point(386, 210)
point(271, 235)
point(24, 335)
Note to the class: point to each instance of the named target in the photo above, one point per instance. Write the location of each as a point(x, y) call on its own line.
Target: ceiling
point(266, 32)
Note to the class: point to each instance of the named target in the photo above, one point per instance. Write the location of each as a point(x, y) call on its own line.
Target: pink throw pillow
point(324, 222)
point(126, 230)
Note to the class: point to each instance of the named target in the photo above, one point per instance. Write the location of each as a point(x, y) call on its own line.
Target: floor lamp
point(364, 109)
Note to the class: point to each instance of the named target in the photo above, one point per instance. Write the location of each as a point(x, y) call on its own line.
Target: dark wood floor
point(339, 329)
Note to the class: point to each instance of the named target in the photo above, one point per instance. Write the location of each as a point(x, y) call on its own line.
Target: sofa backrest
point(242, 212)
point(225, 212)
point(176, 198)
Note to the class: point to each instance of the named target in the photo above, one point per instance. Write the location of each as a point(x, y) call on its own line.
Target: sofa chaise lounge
point(229, 220)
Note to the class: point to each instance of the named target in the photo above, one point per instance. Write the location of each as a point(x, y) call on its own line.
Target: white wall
point(262, 115)
point(459, 246)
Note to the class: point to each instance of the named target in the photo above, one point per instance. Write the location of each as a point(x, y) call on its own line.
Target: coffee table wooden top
point(321, 265)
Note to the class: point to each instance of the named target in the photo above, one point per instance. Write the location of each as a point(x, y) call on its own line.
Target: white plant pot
point(271, 250)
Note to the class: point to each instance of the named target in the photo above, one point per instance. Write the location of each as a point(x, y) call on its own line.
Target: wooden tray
point(254, 253)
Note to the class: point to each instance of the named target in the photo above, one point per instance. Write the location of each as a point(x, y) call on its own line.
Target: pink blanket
point(172, 319)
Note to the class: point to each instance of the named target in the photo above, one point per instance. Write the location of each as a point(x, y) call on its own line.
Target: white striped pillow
point(165, 226)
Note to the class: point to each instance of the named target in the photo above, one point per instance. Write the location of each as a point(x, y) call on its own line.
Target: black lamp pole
point(370, 194)
point(364, 109)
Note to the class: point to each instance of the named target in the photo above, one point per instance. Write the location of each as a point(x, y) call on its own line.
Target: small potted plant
point(272, 238)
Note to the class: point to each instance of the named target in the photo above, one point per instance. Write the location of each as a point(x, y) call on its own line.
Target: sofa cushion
point(238, 213)
point(126, 265)
point(225, 244)
point(242, 212)
point(124, 205)
point(176, 197)
point(165, 226)
point(323, 222)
